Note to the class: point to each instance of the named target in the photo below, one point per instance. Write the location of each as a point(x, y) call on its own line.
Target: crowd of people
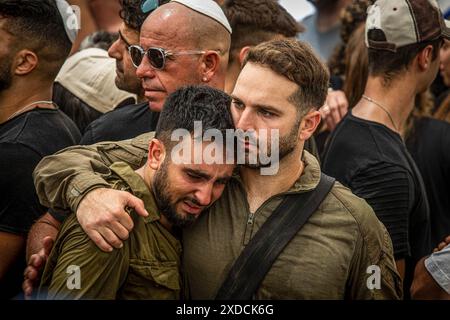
point(351, 107)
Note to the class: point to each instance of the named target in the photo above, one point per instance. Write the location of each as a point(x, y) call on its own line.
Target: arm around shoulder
point(63, 179)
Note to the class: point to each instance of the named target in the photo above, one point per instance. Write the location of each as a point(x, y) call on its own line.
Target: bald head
point(198, 49)
point(187, 29)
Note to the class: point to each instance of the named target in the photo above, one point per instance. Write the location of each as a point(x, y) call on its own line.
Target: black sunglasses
point(156, 56)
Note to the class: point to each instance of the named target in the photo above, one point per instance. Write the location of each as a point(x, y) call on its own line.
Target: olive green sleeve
point(77, 269)
point(374, 269)
point(63, 179)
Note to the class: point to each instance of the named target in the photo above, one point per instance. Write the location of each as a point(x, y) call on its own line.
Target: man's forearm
point(46, 226)
point(63, 179)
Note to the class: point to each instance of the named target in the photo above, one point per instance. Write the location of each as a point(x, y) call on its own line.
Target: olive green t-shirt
point(146, 267)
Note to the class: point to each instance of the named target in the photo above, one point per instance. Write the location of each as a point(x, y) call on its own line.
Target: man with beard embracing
point(341, 252)
point(173, 192)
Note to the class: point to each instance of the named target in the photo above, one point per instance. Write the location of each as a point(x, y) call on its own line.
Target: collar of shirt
point(139, 188)
point(309, 179)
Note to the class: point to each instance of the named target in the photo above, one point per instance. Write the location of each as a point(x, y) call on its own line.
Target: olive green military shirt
point(333, 256)
point(63, 179)
point(146, 267)
point(330, 258)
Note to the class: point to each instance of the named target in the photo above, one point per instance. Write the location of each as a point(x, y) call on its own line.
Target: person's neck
point(397, 99)
point(217, 81)
point(147, 174)
point(18, 97)
point(233, 71)
point(260, 188)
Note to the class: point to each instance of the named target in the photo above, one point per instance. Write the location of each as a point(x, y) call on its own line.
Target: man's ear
point(156, 154)
point(243, 54)
point(25, 62)
point(425, 57)
point(210, 65)
point(309, 124)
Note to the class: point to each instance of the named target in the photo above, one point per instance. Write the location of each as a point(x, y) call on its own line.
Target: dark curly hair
point(132, 15)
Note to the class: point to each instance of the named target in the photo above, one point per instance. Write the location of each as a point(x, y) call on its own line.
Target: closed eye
point(194, 176)
point(238, 104)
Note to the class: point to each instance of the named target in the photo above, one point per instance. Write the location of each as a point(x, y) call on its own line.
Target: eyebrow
point(199, 173)
point(206, 176)
point(236, 98)
point(258, 106)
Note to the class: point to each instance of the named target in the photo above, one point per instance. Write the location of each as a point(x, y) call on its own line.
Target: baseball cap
point(405, 22)
point(208, 8)
point(90, 75)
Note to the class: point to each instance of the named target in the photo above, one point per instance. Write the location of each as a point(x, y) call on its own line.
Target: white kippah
point(69, 18)
point(209, 8)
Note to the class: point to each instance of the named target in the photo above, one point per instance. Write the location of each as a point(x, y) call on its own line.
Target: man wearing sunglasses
point(176, 30)
point(130, 120)
point(203, 40)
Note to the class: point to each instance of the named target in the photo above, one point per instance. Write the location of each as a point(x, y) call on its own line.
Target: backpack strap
point(284, 223)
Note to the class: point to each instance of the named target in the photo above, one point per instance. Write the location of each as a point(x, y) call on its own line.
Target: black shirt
point(122, 123)
point(374, 163)
point(429, 145)
point(24, 141)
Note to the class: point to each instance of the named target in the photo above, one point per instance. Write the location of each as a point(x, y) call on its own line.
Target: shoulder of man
point(375, 251)
point(358, 210)
point(132, 151)
point(142, 141)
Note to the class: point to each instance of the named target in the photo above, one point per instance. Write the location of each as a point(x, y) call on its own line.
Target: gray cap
point(405, 22)
point(208, 8)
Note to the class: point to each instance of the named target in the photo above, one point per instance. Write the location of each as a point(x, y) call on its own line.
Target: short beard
point(287, 145)
point(166, 205)
point(135, 88)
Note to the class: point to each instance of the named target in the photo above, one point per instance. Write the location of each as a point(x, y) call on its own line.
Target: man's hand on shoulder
point(101, 214)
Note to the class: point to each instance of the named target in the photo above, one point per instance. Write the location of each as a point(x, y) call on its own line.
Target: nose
point(203, 195)
point(113, 51)
point(246, 120)
point(145, 70)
